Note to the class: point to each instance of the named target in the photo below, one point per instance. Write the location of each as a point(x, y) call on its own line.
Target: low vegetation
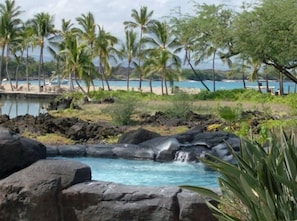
point(262, 186)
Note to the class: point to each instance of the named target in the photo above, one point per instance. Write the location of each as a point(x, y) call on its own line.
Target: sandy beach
point(23, 88)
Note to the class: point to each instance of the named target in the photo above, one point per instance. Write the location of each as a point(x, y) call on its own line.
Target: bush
point(264, 181)
point(181, 105)
point(122, 110)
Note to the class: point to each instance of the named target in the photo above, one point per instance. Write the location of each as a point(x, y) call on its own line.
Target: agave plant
point(264, 181)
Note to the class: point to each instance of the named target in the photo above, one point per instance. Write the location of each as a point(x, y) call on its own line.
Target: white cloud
point(109, 13)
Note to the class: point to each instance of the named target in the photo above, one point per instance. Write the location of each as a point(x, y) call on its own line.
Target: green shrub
point(231, 115)
point(181, 105)
point(264, 181)
point(122, 110)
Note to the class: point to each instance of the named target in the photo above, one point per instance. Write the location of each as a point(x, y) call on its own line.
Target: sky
point(109, 13)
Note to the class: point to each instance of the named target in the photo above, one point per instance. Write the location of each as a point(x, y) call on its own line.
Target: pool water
point(149, 173)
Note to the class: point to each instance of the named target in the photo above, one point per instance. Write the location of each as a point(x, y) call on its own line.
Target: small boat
point(57, 80)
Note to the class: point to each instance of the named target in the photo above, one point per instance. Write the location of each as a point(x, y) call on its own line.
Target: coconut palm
point(57, 44)
point(79, 62)
point(162, 53)
point(129, 51)
point(104, 49)
point(10, 27)
point(28, 41)
point(88, 28)
point(143, 21)
point(43, 27)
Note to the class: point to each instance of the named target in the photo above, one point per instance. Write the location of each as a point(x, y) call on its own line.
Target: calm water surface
point(14, 107)
point(149, 173)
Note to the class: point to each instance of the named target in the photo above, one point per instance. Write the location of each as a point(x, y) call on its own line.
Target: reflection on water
point(14, 107)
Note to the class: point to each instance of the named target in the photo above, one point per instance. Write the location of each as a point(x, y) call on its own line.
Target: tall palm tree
point(10, 27)
point(162, 52)
point(79, 62)
point(143, 21)
point(129, 51)
point(57, 44)
point(104, 49)
point(28, 41)
point(88, 28)
point(43, 27)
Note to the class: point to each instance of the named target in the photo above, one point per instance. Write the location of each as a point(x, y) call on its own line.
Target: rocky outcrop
point(71, 127)
point(34, 192)
point(56, 190)
point(109, 201)
point(137, 136)
point(188, 146)
point(17, 152)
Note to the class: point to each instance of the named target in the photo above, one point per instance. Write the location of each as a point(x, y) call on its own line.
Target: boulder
point(78, 150)
point(185, 147)
point(17, 152)
point(32, 194)
point(137, 136)
point(109, 201)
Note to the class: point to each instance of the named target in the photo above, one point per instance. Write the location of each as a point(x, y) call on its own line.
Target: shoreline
point(56, 90)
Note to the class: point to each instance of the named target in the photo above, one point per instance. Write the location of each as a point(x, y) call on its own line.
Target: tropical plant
point(78, 61)
point(104, 49)
point(263, 181)
point(10, 28)
point(57, 44)
point(43, 26)
point(143, 21)
point(129, 51)
point(163, 46)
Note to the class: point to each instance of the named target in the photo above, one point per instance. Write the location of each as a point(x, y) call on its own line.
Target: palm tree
point(104, 49)
point(57, 44)
point(143, 21)
point(79, 62)
point(10, 27)
point(43, 27)
point(129, 51)
point(88, 28)
point(162, 54)
point(28, 41)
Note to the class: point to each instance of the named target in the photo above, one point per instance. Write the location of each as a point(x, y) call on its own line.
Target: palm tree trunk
point(101, 72)
point(128, 75)
point(27, 68)
point(162, 85)
point(39, 69)
point(281, 85)
point(151, 85)
point(139, 62)
point(213, 71)
point(6, 67)
point(1, 62)
point(82, 89)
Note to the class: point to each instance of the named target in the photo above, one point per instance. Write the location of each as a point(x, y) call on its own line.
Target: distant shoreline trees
point(262, 33)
